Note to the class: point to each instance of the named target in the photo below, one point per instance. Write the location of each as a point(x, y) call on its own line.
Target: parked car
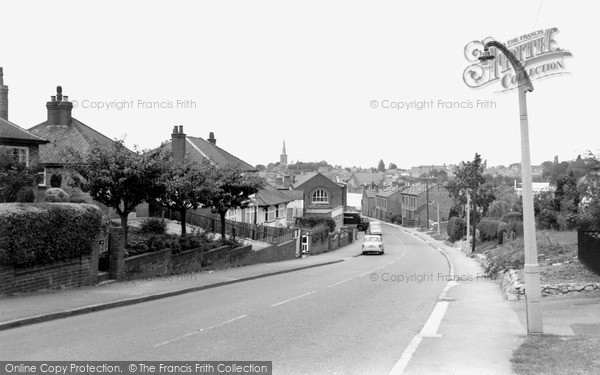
point(372, 244)
point(374, 228)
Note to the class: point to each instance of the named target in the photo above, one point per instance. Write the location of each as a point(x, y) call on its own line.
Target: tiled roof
point(270, 196)
point(296, 195)
point(302, 178)
point(13, 132)
point(198, 149)
point(368, 178)
point(370, 193)
point(78, 136)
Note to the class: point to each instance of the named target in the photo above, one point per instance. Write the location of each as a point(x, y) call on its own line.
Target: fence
point(262, 233)
point(588, 249)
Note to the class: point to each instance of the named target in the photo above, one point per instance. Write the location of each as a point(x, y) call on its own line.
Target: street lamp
point(438, 215)
point(533, 294)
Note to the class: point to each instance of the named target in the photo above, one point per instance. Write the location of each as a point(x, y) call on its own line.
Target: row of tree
point(123, 179)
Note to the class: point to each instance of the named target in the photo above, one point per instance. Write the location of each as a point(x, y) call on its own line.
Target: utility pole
point(468, 214)
point(427, 197)
point(475, 183)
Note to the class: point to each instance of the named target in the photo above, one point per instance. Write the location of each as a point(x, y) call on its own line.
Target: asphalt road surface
point(353, 317)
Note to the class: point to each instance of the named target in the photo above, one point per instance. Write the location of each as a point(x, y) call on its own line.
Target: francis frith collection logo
point(537, 51)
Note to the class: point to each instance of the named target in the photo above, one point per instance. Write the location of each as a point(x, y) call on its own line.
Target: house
point(536, 187)
point(322, 197)
point(358, 181)
point(63, 132)
point(387, 203)
point(368, 202)
point(19, 143)
point(296, 207)
point(198, 149)
point(415, 205)
point(268, 207)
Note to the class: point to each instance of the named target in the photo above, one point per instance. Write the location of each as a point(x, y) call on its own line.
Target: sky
point(326, 77)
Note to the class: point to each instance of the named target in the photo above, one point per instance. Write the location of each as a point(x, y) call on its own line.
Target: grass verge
point(549, 354)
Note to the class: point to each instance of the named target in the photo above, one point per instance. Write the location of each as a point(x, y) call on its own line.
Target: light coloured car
point(374, 228)
point(372, 243)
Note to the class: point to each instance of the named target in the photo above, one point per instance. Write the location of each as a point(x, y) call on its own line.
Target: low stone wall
point(332, 243)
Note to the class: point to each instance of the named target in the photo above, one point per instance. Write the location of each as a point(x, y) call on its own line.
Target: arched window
point(320, 196)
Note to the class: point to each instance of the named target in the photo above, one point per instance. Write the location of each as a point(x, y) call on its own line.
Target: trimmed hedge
point(457, 228)
point(44, 233)
point(489, 229)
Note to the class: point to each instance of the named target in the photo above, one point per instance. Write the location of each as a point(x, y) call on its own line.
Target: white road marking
point(365, 273)
point(341, 282)
point(433, 323)
point(406, 355)
point(200, 330)
point(293, 298)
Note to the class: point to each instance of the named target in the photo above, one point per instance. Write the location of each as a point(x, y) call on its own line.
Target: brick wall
point(73, 273)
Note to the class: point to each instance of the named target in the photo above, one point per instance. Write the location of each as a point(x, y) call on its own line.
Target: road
point(334, 319)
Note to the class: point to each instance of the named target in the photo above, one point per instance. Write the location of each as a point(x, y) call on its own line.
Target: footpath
point(478, 330)
point(19, 310)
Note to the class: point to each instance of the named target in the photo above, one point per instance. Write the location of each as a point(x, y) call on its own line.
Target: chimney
point(59, 109)
point(3, 97)
point(211, 138)
point(178, 141)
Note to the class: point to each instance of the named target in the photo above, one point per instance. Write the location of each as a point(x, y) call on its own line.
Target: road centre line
point(200, 330)
point(293, 298)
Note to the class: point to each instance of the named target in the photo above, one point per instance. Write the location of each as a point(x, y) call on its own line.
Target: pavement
point(473, 328)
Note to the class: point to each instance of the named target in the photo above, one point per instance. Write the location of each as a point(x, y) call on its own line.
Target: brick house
point(322, 197)
point(368, 202)
point(64, 132)
point(19, 143)
point(358, 181)
point(387, 203)
point(414, 204)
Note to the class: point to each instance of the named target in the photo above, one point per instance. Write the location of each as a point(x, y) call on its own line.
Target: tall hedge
point(488, 229)
point(457, 228)
point(43, 233)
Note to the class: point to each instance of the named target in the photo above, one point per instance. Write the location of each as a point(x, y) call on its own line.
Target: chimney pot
point(211, 138)
point(53, 97)
point(59, 111)
point(175, 130)
point(180, 129)
point(3, 97)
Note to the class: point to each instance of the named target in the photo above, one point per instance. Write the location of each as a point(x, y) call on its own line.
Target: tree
point(260, 167)
point(117, 177)
point(14, 177)
point(392, 166)
point(469, 177)
point(182, 185)
point(227, 188)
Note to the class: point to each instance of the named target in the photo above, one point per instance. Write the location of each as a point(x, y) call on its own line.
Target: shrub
point(312, 222)
point(319, 233)
point(547, 219)
point(515, 222)
point(396, 219)
point(42, 233)
point(56, 180)
point(457, 228)
point(56, 195)
point(503, 258)
point(488, 229)
point(26, 195)
point(154, 225)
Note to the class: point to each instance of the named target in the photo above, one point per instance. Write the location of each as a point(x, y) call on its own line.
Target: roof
point(270, 196)
point(198, 149)
point(368, 178)
point(10, 132)
point(370, 193)
point(302, 178)
point(296, 195)
point(78, 136)
point(386, 192)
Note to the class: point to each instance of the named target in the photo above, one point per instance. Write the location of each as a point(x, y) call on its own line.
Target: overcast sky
point(259, 72)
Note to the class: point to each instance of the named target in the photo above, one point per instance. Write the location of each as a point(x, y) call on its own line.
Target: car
point(374, 228)
point(372, 243)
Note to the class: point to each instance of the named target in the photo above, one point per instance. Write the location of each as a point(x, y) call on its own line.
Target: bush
point(547, 219)
point(319, 233)
point(154, 225)
point(488, 229)
point(26, 195)
point(515, 222)
point(511, 255)
point(42, 233)
point(457, 229)
point(396, 219)
point(312, 222)
point(56, 195)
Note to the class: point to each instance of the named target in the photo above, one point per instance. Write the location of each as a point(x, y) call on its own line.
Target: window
point(231, 215)
point(270, 213)
point(320, 196)
point(249, 214)
point(20, 154)
point(281, 210)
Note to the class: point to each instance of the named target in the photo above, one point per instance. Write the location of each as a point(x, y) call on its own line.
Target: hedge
point(488, 229)
point(457, 228)
point(44, 233)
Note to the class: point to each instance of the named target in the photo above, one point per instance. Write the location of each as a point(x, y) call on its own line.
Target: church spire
point(283, 156)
